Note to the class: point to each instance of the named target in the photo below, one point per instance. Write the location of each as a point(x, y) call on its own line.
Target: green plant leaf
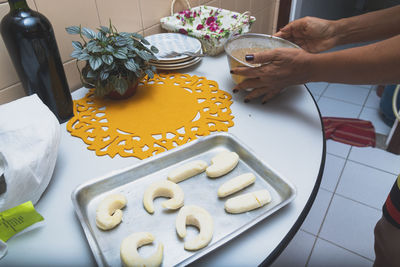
point(101, 37)
point(131, 47)
point(141, 38)
point(90, 45)
point(136, 35)
point(88, 33)
point(77, 45)
point(110, 68)
point(125, 34)
point(138, 73)
point(91, 74)
point(108, 59)
point(110, 49)
point(123, 50)
point(145, 41)
point(119, 54)
point(130, 65)
point(149, 73)
point(104, 75)
point(120, 85)
point(97, 49)
point(84, 56)
point(143, 55)
point(104, 29)
point(120, 41)
point(154, 49)
point(73, 30)
point(95, 62)
point(76, 54)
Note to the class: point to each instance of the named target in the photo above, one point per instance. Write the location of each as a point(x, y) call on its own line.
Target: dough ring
point(109, 213)
point(130, 256)
point(163, 188)
point(199, 217)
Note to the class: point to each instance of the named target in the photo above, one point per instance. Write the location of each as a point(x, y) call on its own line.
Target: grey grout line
point(311, 251)
point(376, 168)
point(336, 155)
point(359, 202)
point(316, 97)
point(329, 205)
point(324, 90)
point(344, 101)
point(337, 245)
point(366, 100)
point(308, 233)
point(362, 256)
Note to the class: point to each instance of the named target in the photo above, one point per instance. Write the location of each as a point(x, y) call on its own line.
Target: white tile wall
point(338, 230)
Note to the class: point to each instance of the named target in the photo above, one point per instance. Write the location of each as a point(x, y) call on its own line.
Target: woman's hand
point(311, 34)
point(281, 67)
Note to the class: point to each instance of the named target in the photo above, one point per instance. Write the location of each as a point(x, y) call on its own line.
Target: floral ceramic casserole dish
point(212, 26)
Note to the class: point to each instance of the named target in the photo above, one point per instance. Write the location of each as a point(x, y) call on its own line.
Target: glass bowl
point(238, 46)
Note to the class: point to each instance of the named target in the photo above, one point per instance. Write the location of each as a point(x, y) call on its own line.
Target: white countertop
point(286, 132)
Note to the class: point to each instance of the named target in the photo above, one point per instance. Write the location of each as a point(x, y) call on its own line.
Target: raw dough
point(247, 202)
point(236, 184)
point(130, 256)
point(163, 188)
point(222, 163)
point(199, 217)
point(109, 213)
point(188, 170)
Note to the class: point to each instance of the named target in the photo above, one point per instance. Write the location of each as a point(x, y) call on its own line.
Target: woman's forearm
point(377, 25)
point(377, 63)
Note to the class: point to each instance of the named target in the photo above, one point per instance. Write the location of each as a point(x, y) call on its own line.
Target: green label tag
point(16, 219)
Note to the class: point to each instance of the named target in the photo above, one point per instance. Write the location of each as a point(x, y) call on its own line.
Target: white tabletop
point(286, 132)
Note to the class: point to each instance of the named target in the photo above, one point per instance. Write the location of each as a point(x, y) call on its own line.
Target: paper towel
point(29, 140)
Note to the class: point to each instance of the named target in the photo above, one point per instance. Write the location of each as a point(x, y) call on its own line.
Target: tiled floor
point(338, 231)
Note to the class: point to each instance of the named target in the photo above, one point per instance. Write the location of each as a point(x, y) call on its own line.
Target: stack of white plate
point(174, 42)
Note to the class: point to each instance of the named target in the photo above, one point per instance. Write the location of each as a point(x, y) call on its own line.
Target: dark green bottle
point(30, 41)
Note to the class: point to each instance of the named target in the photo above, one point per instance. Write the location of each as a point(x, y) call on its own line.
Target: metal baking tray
point(199, 190)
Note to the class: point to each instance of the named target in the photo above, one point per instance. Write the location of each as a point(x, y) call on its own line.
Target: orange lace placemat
point(166, 111)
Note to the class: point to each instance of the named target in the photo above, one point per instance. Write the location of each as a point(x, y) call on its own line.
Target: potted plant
point(115, 61)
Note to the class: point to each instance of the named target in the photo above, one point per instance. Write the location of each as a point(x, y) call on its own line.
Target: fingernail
point(246, 100)
point(235, 91)
point(249, 57)
point(231, 71)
